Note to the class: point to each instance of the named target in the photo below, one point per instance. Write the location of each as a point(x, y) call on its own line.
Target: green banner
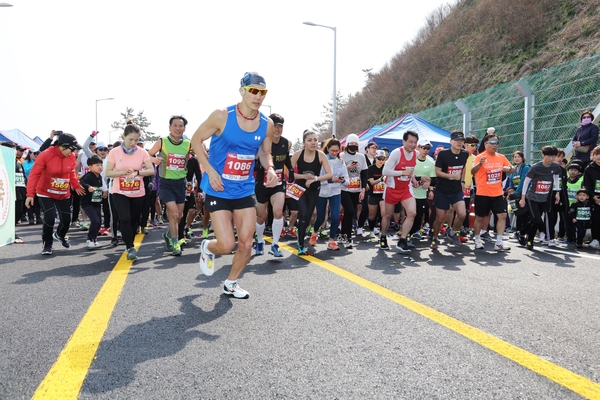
point(7, 195)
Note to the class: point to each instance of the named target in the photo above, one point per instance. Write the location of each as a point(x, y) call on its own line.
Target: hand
point(80, 190)
point(91, 189)
point(156, 160)
point(576, 144)
point(271, 178)
point(361, 196)
point(94, 133)
point(522, 203)
point(215, 181)
point(105, 194)
point(29, 202)
point(557, 198)
point(482, 160)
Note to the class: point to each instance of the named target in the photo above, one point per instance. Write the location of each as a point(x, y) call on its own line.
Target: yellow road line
point(65, 378)
point(572, 381)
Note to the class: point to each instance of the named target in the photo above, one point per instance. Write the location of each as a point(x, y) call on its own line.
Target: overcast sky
point(187, 57)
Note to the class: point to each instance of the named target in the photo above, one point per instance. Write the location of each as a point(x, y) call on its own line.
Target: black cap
point(66, 139)
point(19, 148)
point(457, 136)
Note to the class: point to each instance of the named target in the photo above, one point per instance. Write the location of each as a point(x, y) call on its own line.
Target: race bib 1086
point(238, 166)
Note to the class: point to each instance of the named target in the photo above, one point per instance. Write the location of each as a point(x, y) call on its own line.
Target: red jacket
point(52, 174)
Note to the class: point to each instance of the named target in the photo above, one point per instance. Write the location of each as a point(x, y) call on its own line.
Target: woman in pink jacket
point(50, 179)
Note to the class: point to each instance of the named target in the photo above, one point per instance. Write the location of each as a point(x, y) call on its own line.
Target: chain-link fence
point(561, 94)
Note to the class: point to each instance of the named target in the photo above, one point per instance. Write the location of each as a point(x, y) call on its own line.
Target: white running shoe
point(552, 243)
point(233, 289)
point(206, 260)
point(376, 231)
point(90, 244)
point(501, 247)
point(359, 231)
point(595, 244)
point(479, 244)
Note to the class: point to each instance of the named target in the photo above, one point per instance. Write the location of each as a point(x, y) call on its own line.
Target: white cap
point(352, 138)
point(423, 142)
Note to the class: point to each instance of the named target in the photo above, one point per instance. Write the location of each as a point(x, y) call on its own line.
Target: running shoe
point(292, 233)
point(341, 239)
point(376, 231)
point(552, 243)
point(522, 240)
point(594, 244)
point(359, 231)
point(529, 245)
point(501, 247)
point(402, 247)
point(332, 245)
point(204, 233)
point(233, 289)
point(479, 244)
point(259, 248)
point(168, 241)
point(302, 251)
point(63, 241)
point(372, 235)
point(114, 241)
point(383, 244)
point(409, 243)
point(47, 250)
point(206, 259)
point(182, 242)
point(313, 239)
point(486, 236)
point(434, 244)
point(349, 244)
point(417, 236)
point(275, 250)
point(132, 254)
point(91, 244)
point(85, 226)
point(454, 240)
point(177, 249)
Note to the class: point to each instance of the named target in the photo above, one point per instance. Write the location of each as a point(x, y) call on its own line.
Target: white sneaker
point(359, 231)
point(479, 244)
point(501, 247)
point(372, 235)
point(552, 243)
point(376, 231)
point(233, 289)
point(595, 244)
point(206, 260)
point(90, 244)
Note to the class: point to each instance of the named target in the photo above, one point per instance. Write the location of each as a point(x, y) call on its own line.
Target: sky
point(57, 57)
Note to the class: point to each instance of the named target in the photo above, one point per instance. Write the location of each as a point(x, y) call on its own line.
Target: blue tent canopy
point(392, 136)
point(18, 137)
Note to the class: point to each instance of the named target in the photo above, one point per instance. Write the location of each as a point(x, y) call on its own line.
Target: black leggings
point(128, 209)
point(350, 203)
point(536, 223)
point(63, 207)
point(306, 206)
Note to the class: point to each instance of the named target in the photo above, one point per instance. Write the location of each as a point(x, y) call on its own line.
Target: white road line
point(572, 254)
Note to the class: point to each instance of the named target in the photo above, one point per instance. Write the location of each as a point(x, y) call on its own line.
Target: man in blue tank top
point(239, 134)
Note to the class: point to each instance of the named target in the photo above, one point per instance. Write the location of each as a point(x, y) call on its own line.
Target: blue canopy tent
point(18, 137)
point(392, 137)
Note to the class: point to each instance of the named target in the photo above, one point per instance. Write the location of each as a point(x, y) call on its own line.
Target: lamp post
point(266, 105)
point(333, 28)
point(97, 100)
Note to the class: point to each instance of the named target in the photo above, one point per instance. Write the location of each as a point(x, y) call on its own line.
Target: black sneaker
point(402, 246)
point(64, 241)
point(521, 238)
point(383, 244)
point(114, 241)
point(47, 250)
point(529, 245)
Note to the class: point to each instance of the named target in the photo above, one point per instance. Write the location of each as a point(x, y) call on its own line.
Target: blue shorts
point(443, 201)
point(172, 190)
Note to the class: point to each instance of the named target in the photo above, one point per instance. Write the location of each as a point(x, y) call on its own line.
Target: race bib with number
point(59, 186)
point(97, 196)
point(597, 187)
point(238, 166)
point(584, 213)
point(379, 188)
point(456, 170)
point(494, 176)
point(467, 192)
point(294, 191)
point(354, 183)
point(19, 179)
point(543, 187)
point(176, 162)
point(132, 187)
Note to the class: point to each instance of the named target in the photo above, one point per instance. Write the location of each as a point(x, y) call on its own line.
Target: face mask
point(586, 121)
point(352, 149)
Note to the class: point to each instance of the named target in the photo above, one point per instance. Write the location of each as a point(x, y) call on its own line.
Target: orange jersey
point(489, 176)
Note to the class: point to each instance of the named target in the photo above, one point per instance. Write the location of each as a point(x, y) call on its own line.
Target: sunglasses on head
point(253, 90)
point(493, 142)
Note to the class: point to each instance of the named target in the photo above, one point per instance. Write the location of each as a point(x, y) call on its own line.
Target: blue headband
point(251, 78)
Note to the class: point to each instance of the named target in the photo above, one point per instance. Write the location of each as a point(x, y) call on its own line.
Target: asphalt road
point(353, 324)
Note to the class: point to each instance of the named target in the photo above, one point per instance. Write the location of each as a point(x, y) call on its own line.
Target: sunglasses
point(472, 144)
point(253, 90)
point(426, 147)
point(493, 142)
point(103, 149)
point(381, 158)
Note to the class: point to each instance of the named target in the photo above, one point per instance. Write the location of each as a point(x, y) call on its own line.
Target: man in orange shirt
point(488, 167)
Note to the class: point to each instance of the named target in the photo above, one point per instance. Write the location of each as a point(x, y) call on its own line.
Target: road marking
point(65, 378)
point(572, 381)
point(569, 253)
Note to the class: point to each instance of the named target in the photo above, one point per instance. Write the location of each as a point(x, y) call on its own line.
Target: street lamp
point(266, 105)
point(333, 28)
point(97, 100)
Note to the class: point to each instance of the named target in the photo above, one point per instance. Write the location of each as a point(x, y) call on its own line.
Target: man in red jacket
point(49, 179)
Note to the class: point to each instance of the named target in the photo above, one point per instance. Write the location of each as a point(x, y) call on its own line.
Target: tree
point(140, 120)
point(324, 128)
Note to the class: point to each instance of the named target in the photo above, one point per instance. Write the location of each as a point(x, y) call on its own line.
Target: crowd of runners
point(250, 183)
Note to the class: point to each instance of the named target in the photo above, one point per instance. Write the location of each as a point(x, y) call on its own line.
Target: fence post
point(464, 108)
point(527, 118)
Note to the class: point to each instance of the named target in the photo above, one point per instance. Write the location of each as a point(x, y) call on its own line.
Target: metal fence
point(561, 93)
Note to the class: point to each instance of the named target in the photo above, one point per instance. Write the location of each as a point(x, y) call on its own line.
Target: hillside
point(470, 46)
